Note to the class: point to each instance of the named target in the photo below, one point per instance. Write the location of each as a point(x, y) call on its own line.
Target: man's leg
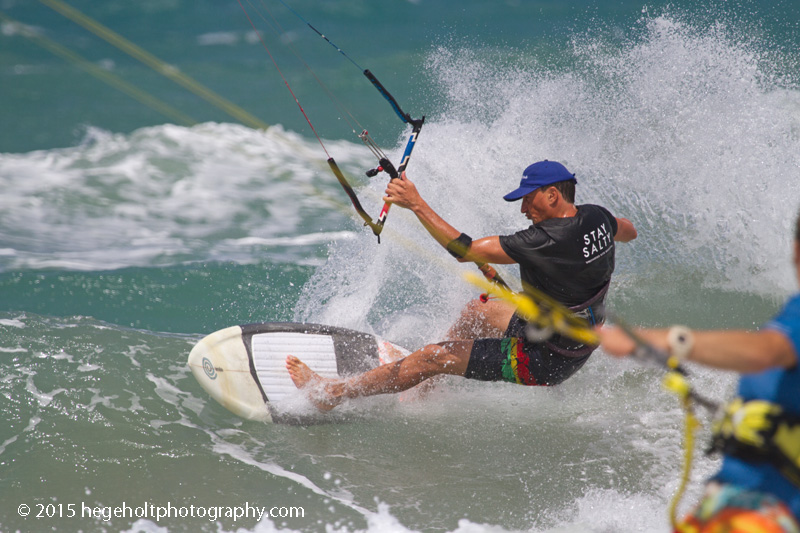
point(479, 320)
point(432, 360)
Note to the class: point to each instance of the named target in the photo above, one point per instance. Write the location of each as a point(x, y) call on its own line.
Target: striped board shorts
point(515, 360)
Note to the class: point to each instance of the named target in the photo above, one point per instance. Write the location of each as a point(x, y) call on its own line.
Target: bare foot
point(312, 383)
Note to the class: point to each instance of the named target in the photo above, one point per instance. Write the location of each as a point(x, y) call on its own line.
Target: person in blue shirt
point(757, 489)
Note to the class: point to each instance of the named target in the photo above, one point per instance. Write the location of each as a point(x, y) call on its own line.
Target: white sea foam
point(219, 38)
point(170, 194)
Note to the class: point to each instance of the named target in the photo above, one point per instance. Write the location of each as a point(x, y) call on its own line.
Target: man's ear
point(552, 195)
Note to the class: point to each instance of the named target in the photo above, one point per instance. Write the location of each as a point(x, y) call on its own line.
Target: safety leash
point(676, 383)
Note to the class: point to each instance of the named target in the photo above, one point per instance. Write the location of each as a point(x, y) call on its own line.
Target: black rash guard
point(570, 259)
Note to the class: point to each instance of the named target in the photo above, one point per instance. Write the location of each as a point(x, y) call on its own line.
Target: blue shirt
point(777, 385)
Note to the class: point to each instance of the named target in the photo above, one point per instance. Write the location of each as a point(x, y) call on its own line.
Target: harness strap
point(759, 431)
point(583, 310)
point(593, 300)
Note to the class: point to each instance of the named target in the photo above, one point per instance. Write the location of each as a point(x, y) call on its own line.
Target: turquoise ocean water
point(126, 235)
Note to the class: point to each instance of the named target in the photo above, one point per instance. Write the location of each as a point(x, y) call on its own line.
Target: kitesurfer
point(567, 253)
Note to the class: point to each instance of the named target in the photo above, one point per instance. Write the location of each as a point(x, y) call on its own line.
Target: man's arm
point(742, 351)
point(626, 232)
point(403, 192)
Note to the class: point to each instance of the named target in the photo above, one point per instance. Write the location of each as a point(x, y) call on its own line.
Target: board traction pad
point(328, 350)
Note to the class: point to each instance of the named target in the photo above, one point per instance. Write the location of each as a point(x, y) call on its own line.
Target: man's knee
point(477, 310)
point(449, 357)
point(434, 356)
point(436, 359)
point(474, 307)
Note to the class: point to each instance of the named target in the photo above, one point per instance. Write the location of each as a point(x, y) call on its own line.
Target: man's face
point(535, 206)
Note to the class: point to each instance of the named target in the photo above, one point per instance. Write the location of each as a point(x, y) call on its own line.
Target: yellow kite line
point(101, 73)
point(156, 64)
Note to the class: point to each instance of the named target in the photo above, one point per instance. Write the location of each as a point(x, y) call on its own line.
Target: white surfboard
point(243, 367)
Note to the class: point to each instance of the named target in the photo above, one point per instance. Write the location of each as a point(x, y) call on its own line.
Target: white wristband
point(680, 341)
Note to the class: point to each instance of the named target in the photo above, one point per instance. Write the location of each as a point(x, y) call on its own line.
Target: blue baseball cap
point(538, 175)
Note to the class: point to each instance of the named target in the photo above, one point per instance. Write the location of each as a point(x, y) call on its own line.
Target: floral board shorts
point(727, 508)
